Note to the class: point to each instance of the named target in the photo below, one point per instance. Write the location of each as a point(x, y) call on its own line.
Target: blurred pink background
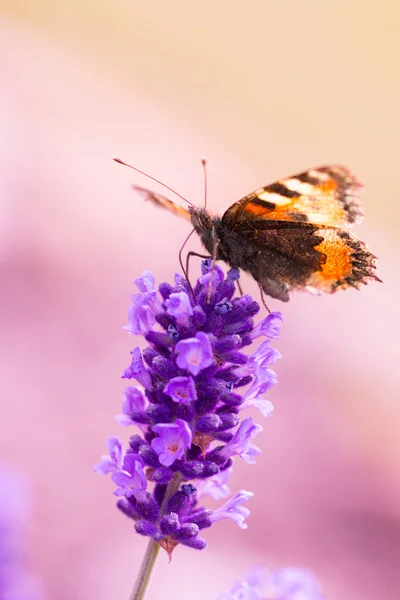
point(263, 90)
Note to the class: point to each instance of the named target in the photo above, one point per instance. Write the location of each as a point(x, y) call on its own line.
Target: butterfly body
point(291, 234)
point(218, 239)
point(271, 268)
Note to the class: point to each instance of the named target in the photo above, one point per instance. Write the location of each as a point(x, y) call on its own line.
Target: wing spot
point(281, 190)
point(301, 187)
point(273, 200)
point(306, 177)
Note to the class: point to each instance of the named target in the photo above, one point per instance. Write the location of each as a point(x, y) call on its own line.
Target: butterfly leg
point(239, 287)
point(214, 260)
point(258, 279)
point(263, 297)
point(189, 254)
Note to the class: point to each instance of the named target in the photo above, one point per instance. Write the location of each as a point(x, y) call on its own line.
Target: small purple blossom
point(137, 370)
point(259, 362)
point(240, 444)
point(195, 354)
point(133, 402)
point(264, 406)
point(181, 390)
point(141, 317)
point(145, 306)
point(196, 377)
point(146, 283)
point(283, 584)
point(131, 479)
point(270, 327)
point(178, 306)
point(110, 463)
point(174, 439)
point(233, 509)
point(211, 273)
point(215, 486)
point(263, 377)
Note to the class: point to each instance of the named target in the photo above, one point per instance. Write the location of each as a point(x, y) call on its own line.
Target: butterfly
point(290, 235)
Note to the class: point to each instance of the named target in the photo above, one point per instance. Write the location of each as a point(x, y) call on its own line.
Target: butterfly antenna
point(121, 162)
point(204, 165)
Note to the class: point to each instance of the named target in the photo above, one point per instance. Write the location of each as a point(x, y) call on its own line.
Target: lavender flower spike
point(194, 377)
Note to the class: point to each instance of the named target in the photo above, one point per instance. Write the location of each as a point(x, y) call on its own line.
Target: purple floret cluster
point(194, 379)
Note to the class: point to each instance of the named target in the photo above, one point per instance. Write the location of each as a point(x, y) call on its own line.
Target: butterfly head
point(204, 225)
point(201, 219)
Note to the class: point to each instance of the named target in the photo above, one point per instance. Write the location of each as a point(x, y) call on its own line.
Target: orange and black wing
point(163, 202)
point(328, 195)
point(296, 226)
point(348, 262)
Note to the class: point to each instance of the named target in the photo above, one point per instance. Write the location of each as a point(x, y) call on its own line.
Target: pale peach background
point(263, 89)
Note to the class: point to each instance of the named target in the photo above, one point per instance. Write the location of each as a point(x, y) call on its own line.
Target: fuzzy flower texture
point(194, 383)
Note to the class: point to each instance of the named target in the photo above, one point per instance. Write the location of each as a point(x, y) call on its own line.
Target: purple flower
point(259, 362)
point(195, 354)
point(212, 273)
point(216, 486)
point(263, 377)
point(264, 406)
point(178, 305)
point(146, 283)
point(133, 402)
point(110, 463)
point(233, 509)
point(283, 584)
point(137, 370)
point(141, 317)
point(196, 378)
point(181, 390)
point(132, 479)
point(270, 326)
point(174, 439)
point(240, 444)
point(145, 306)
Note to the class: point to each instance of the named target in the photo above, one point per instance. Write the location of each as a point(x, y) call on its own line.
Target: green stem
point(145, 572)
point(149, 559)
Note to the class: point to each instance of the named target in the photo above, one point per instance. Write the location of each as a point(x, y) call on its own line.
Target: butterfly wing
point(163, 202)
point(349, 262)
point(295, 227)
point(328, 195)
